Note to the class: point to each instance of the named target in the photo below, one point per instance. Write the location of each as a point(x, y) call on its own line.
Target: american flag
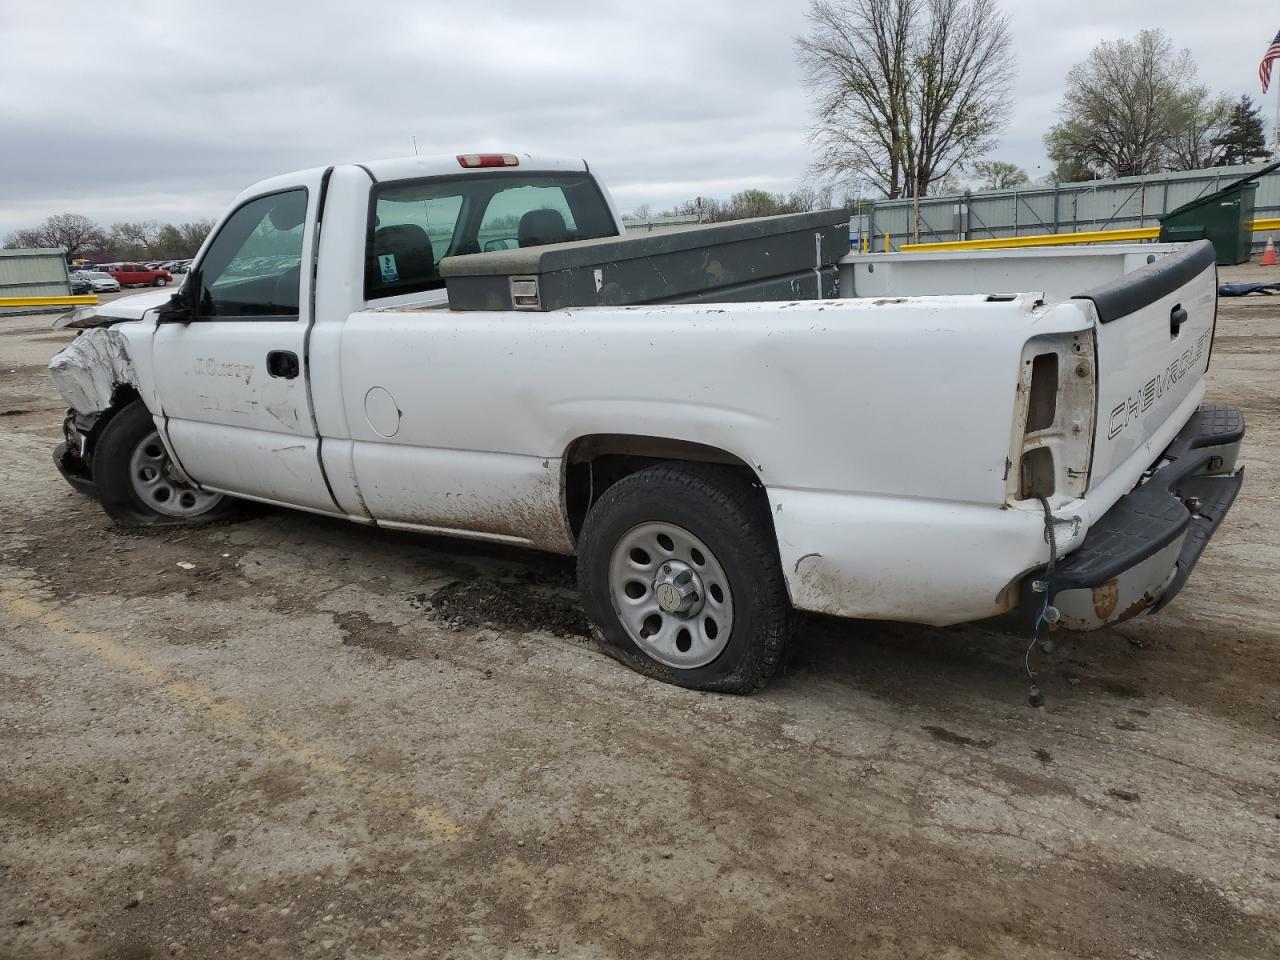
point(1264, 68)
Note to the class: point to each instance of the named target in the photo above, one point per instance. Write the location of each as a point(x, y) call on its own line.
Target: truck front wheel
point(135, 478)
point(679, 573)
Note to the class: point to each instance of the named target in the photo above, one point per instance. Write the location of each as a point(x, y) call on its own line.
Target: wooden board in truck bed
point(762, 258)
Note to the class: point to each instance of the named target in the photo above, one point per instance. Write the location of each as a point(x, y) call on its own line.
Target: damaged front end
point(74, 455)
point(94, 374)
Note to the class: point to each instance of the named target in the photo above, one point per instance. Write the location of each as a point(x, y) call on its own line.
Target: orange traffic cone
point(1269, 254)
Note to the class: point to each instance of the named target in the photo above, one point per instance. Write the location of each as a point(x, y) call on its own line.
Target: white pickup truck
point(955, 438)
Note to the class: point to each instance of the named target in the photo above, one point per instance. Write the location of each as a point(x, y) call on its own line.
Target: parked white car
point(100, 282)
point(947, 442)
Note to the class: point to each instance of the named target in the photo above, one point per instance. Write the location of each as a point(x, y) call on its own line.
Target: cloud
point(169, 111)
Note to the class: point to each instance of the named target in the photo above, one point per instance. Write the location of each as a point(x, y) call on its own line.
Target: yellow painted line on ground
point(226, 713)
point(79, 300)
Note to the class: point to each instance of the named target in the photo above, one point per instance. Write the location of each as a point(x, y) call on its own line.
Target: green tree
point(1071, 170)
point(1121, 104)
point(1243, 141)
point(998, 175)
point(1197, 124)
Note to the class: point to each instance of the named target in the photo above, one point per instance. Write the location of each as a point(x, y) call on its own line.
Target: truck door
point(232, 383)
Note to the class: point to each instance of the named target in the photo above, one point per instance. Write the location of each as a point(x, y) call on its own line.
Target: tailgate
point(1154, 333)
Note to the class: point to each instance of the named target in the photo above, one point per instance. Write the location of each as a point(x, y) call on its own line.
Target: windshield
point(96, 275)
point(413, 225)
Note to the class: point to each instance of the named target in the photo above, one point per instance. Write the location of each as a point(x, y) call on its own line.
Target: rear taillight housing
point(1054, 418)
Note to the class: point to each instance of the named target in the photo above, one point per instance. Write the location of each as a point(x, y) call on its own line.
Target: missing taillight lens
point(1054, 423)
point(1037, 474)
point(1042, 400)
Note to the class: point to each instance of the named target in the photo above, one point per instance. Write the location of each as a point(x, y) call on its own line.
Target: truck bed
point(1057, 273)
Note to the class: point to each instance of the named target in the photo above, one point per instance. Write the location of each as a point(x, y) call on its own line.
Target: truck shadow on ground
point(508, 588)
point(472, 584)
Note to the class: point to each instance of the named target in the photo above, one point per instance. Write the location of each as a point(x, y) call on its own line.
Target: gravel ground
point(328, 741)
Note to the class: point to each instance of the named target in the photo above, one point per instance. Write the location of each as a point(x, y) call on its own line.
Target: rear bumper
point(1139, 554)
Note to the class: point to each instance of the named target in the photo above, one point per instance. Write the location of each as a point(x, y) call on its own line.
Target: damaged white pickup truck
point(469, 346)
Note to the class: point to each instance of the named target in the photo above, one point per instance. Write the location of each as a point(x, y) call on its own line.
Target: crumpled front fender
point(91, 368)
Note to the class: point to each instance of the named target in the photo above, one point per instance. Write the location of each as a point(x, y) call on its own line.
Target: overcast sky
point(167, 110)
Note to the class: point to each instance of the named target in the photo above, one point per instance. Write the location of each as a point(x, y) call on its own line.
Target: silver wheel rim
point(151, 473)
point(671, 595)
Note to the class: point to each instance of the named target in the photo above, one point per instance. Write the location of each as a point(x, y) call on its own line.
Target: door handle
point(283, 364)
point(1177, 317)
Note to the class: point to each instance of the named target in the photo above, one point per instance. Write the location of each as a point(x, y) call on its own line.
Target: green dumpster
point(1225, 218)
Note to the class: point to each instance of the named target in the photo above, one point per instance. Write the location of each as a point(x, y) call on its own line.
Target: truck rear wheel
point(679, 574)
point(135, 478)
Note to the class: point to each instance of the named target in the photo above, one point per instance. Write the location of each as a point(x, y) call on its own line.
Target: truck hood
point(117, 311)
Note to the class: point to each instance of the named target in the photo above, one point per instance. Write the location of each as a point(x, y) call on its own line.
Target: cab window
point(253, 268)
point(413, 225)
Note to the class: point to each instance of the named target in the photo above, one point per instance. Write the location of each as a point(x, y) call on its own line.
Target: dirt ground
point(328, 741)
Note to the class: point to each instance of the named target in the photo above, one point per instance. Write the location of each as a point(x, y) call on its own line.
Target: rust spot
point(1135, 608)
point(1105, 599)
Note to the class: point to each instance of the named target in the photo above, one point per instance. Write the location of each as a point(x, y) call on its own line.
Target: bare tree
point(905, 90)
point(1121, 105)
point(72, 232)
point(28, 238)
point(998, 175)
point(193, 234)
point(134, 240)
point(802, 199)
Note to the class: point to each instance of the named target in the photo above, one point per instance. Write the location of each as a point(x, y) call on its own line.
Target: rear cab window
point(415, 224)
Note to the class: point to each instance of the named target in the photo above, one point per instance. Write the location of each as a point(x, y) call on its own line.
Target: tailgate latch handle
point(1177, 317)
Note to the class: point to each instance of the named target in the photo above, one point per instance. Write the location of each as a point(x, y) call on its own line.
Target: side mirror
point(179, 309)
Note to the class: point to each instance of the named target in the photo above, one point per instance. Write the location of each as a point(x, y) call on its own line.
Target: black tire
point(724, 509)
point(159, 282)
point(112, 458)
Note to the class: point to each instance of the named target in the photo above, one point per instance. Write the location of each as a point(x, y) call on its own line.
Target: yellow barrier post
point(81, 300)
point(1058, 239)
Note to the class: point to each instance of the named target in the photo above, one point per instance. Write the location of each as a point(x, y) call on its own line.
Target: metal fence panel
point(32, 273)
point(1119, 204)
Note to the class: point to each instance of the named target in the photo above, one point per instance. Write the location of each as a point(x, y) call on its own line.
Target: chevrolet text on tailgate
point(726, 425)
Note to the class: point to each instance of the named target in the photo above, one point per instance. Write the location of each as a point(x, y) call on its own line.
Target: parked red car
point(133, 274)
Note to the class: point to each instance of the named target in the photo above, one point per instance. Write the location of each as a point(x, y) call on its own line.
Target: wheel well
point(594, 463)
point(121, 396)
